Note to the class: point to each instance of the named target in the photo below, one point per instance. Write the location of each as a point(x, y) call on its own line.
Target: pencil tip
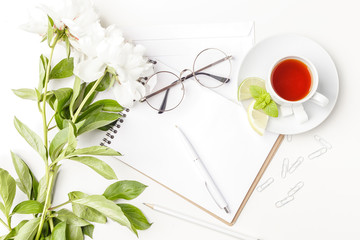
point(149, 205)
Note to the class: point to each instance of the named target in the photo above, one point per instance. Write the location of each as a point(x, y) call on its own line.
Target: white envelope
point(176, 46)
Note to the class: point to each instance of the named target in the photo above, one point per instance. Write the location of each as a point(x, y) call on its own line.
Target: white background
point(328, 205)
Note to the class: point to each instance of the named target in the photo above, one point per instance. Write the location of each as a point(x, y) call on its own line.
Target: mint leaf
point(259, 104)
point(271, 109)
point(263, 101)
point(256, 91)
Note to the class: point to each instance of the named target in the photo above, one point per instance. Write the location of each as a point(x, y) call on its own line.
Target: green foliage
point(63, 69)
point(7, 191)
point(85, 212)
point(28, 207)
point(97, 165)
point(136, 217)
point(31, 137)
point(263, 101)
point(124, 190)
point(23, 172)
point(75, 112)
point(26, 93)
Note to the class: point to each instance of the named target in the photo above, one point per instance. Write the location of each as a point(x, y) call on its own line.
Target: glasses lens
point(168, 99)
point(209, 70)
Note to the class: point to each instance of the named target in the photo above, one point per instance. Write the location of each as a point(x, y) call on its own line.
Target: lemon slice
point(257, 119)
point(244, 88)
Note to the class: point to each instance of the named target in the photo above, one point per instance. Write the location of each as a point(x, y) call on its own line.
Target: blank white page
point(219, 131)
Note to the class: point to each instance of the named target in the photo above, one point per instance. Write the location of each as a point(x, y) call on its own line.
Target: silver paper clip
point(318, 153)
point(322, 141)
point(285, 167)
point(296, 164)
point(295, 189)
point(284, 201)
point(266, 184)
point(289, 138)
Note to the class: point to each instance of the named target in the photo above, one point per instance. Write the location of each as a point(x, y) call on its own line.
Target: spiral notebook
point(233, 153)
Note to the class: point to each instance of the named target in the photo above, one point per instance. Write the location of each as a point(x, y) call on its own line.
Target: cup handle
point(319, 99)
point(300, 114)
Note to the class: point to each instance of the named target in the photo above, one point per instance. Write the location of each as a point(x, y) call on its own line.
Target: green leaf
point(106, 207)
point(108, 105)
point(23, 173)
point(41, 190)
point(259, 104)
point(74, 233)
point(70, 218)
point(7, 190)
point(16, 230)
point(50, 31)
point(104, 84)
point(31, 137)
point(97, 165)
point(2, 208)
point(85, 212)
point(88, 230)
point(62, 96)
point(98, 120)
point(35, 186)
point(135, 216)
point(124, 190)
point(63, 69)
point(28, 207)
point(25, 93)
point(80, 96)
point(71, 141)
point(58, 143)
point(59, 232)
point(43, 63)
point(97, 151)
point(28, 231)
point(256, 91)
point(76, 92)
point(90, 111)
point(20, 185)
point(271, 109)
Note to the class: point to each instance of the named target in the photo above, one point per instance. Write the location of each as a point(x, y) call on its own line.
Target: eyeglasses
point(168, 88)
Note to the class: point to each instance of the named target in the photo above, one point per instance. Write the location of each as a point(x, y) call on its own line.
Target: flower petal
point(90, 69)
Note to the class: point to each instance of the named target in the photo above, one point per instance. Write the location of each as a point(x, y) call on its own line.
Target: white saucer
point(258, 61)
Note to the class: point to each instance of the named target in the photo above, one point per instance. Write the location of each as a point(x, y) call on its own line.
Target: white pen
point(209, 183)
point(200, 222)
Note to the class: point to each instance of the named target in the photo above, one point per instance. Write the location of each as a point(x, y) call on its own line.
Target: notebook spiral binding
point(110, 134)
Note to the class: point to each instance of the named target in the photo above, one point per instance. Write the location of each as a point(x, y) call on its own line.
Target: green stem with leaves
point(92, 90)
point(49, 172)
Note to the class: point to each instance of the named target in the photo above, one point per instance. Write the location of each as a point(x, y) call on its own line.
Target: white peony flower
point(96, 48)
point(125, 58)
point(77, 15)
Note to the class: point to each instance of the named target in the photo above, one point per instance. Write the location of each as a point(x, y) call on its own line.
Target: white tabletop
point(327, 207)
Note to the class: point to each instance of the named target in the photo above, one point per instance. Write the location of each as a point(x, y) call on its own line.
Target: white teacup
point(292, 81)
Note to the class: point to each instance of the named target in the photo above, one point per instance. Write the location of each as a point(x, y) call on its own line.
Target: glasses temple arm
point(220, 79)
point(163, 104)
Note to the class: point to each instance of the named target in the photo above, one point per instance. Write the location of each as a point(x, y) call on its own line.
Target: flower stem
point(9, 228)
point(48, 171)
point(47, 203)
point(44, 98)
point(55, 207)
point(92, 90)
